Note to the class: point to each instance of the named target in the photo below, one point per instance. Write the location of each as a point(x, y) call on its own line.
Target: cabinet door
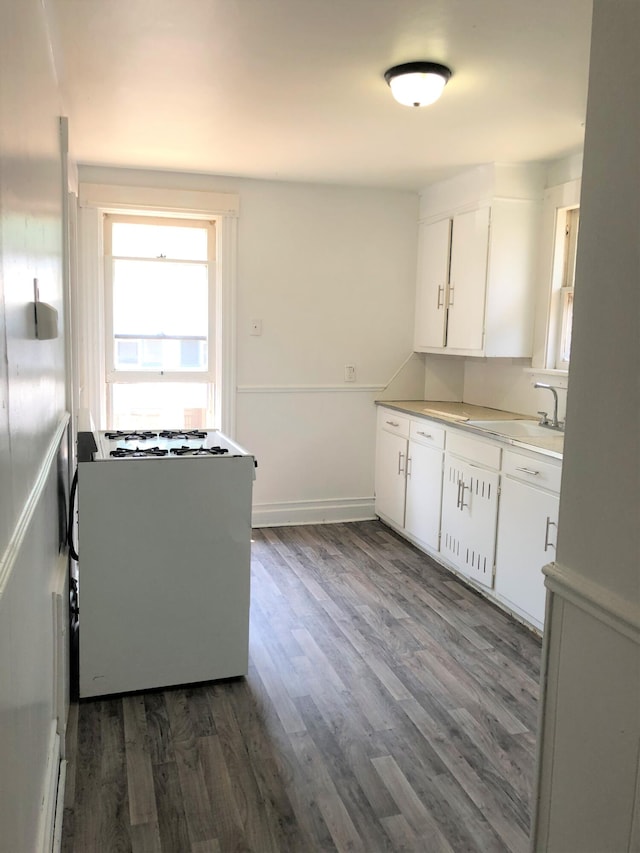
point(391, 460)
point(526, 542)
point(468, 280)
point(424, 493)
point(431, 289)
point(469, 518)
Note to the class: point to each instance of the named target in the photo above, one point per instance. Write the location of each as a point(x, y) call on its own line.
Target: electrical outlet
point(349, 373)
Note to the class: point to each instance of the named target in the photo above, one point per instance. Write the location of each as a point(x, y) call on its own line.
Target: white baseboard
point(57, 825)
point(48, 804)
point(60, 617)
point(330, 511)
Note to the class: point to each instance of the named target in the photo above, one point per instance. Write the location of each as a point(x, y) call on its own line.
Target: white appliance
point(164, 544)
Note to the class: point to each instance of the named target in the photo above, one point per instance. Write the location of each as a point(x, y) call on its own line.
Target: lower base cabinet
point(469, 514)
point(408, 476)
point(424, 487)
point(391, 459)
point(526, 542)
point(487, 512)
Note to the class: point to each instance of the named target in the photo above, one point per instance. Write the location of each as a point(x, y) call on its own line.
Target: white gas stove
point(164, 547)
point(159, 444)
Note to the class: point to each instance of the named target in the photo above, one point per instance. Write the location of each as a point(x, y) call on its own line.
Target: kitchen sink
point(515, 429)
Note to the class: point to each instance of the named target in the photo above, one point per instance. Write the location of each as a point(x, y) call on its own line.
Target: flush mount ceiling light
point(417, 84)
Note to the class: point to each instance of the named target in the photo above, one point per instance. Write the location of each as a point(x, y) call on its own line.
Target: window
point(565, 320)
point(159, 310)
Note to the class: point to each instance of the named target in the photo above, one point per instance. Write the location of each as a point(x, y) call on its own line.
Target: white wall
point(589, 779)
point(330, 271)
point(31, 424)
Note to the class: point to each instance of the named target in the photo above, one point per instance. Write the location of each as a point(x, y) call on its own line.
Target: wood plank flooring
point(387, 708)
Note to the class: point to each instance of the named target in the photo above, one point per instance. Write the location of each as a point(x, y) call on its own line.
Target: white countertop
point(459, 414)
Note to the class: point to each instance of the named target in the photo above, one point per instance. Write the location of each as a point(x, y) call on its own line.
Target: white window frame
point(548, 317)
point(567, 236)
point(223, 209)
point(112, 374)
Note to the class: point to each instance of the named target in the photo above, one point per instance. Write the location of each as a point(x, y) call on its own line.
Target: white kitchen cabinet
point(470, 508)
point(408, 477)
point(475, 281)
point(468, 280)
point(391, 457)
point(434, 240)
point(485, 508)
point(424, 483)
point(391, 465)
point(527, 528)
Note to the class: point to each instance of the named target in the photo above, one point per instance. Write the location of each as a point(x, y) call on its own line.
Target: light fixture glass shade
point(417, 84)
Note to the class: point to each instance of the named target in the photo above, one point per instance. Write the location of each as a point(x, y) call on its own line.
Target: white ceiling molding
point(142, 199)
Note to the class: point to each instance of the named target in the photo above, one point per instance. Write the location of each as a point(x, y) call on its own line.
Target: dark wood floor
point(387, 708)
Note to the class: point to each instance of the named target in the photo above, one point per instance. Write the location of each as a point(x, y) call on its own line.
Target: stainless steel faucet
point(554, 423)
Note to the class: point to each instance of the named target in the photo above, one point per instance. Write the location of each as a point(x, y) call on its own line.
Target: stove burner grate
point(129, 436)
point(199, 451)
point(183, 433)
point(137, 452)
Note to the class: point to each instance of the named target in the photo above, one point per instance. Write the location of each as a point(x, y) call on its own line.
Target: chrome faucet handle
point(544, 420)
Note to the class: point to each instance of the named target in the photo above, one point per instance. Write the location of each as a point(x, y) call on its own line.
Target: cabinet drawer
point(532, 469)
point(479, 452)
point(426, 432)
point(393, 422)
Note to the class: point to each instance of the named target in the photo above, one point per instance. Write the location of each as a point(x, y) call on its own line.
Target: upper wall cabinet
point(450, 296)
point(476, 279)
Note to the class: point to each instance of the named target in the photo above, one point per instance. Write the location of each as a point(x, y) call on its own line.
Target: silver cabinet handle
point(529, 471)
point(460, 504)
point(548, 544)
point(451, 289)
point(409, 462)
point(393, 423)
point(440, 291)
point(425, 434)
point(400, 457)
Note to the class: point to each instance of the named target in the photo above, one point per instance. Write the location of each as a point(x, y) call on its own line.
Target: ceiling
point(294, 89)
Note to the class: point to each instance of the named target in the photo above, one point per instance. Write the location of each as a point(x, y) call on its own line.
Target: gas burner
point(137, 452)
point(199, 451)
point(183, 433)
point(129, 436)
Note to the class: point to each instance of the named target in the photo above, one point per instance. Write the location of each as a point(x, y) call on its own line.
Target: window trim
point(557, 199)
point(96, 199)
point(568, 237)
point(112, 374)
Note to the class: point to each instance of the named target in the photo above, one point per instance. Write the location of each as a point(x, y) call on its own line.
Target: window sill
point(546, 371)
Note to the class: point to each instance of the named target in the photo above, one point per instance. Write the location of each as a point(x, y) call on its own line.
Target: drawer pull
point(393, 423)
point(529, 471)
point(548, 544)
point(400, 468)
point(425, 434)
